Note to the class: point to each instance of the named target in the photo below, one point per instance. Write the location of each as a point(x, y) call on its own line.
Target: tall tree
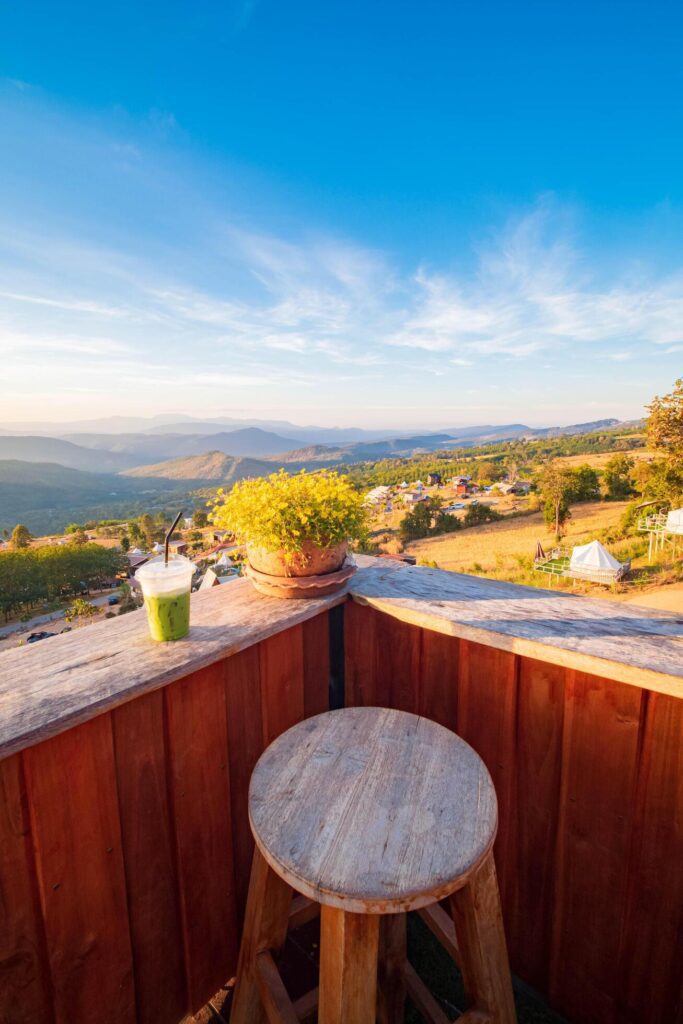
point(21, 537)
point(665, 435)
point(665, 425)
point(617, 476)
point(556, 489)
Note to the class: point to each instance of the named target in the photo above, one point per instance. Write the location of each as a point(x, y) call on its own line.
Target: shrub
point(417, 523)
point(80, 609)
point(478, 514)
point(281, 512)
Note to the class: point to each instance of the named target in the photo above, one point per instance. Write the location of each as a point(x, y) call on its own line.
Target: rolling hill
point(64, 453)
point(199, 470)
point(153, 447)
point(45, 496)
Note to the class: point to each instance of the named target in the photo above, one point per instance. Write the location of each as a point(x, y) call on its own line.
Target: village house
point(414, 497)
point(378, 496)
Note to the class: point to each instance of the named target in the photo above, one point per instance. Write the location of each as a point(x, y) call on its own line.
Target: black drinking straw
point(169, 535)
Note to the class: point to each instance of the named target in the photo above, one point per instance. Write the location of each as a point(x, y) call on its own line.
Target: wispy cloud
point(339, 304)
point(72, 305)
point(175, 295)
point(529, 295)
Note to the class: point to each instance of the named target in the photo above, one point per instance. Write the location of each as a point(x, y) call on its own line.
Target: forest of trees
point(488, 463)
point(30, 576)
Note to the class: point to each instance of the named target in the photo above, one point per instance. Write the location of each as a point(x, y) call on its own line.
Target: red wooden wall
point(125, 846)
point(589, 777)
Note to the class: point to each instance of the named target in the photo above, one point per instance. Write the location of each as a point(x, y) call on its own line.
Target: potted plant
point(296, 529)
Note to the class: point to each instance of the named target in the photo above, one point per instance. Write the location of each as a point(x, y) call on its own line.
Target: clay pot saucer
point(292, 587)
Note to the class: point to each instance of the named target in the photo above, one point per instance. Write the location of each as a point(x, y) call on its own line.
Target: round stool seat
point(372, 810)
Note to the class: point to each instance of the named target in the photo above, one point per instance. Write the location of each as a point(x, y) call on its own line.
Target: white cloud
point(531, 292)
point(72, 305)
point(266, 314)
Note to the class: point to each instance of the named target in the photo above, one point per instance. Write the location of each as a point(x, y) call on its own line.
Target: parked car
point(114, 599)
point(33, 638)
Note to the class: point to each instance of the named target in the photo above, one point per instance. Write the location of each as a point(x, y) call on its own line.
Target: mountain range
point(45, 497)
point(101, 452)
point(48, 480)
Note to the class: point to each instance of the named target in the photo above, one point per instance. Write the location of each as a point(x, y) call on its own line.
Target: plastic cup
point(166, 590)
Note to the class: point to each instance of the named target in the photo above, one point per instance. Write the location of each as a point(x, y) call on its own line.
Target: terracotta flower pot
point(312, 561)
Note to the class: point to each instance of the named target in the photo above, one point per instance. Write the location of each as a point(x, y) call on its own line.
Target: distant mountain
point(221, 464)
point(65, 453)
point(104, 425)
point(511, 431)
point(45, 497)
point(148, 447)
point(583, 428)
point(211, 467)
point(393, 447)
point(491, 431)
point(172, 425)
point(303, 434)
point(176, 423)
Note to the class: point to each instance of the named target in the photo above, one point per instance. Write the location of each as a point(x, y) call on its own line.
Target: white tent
point(674, 521)
point(136, 551)
point(593, 556)
point(224, 562)
point(159, 548)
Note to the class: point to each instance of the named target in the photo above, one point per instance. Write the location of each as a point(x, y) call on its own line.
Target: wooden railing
point(124, 839)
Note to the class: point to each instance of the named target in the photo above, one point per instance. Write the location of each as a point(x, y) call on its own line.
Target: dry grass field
point(499, 546)
point(600, 460)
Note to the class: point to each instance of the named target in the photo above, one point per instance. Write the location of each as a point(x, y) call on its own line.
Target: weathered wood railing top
point(49, 687)
point(607, 638)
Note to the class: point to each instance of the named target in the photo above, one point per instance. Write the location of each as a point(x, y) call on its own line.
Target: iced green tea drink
point(166, 589)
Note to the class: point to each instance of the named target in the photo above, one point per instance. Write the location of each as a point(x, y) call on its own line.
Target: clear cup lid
point(159, 575)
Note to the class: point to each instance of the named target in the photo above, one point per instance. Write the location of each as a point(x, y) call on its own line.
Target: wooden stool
point(372, 812)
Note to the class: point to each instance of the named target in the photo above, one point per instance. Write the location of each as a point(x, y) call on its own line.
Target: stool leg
point(348, 967)
point(391, 995)
point(481, 943)
point(265, 927)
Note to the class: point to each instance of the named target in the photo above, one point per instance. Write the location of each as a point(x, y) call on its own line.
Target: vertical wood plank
point(71, 787)
point(360, 624)
point(651, 967)
point(397, 663)
point(599, 760)
point(200, 792)
point(245, 745)
point(24, 974)
point(316, 665)
point(487, 697)
point(282, 682)
point(438, 696)
point(149, 859)
point(540, 714)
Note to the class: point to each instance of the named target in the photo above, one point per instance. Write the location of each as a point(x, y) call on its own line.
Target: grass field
point(600, 460)
point(500, 546)
point(505, 551)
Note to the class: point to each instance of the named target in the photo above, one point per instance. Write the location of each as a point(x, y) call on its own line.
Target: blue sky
point(373, 213)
